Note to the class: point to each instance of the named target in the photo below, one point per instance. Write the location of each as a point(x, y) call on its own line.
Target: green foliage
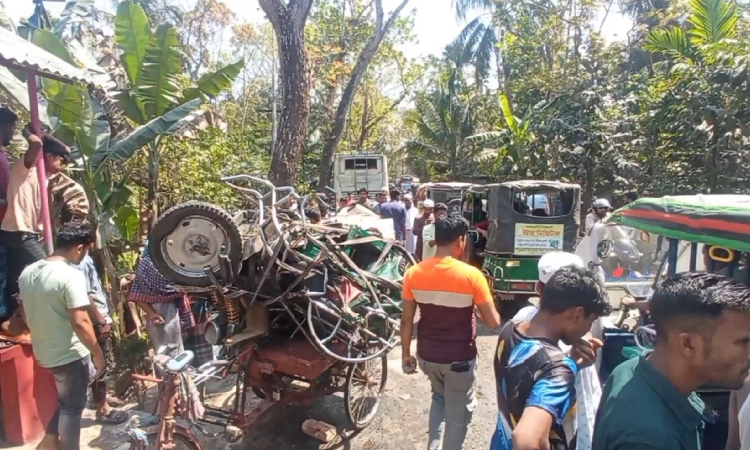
point(192, 169)
point(133, 35)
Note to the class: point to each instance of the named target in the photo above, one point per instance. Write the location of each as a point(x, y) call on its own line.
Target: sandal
point(113, 417)
point(114, 401)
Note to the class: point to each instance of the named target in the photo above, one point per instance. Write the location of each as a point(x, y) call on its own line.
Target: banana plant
point(82, 126)
point(153, 63)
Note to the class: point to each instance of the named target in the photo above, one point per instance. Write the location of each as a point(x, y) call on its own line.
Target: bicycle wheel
point(365, 383)
point(182, 441)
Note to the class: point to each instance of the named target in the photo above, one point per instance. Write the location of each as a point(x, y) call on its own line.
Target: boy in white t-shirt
point(429, 247)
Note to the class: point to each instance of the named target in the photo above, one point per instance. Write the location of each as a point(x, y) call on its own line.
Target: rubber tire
point(181, 441)
point(172, 218)
point(347, 393)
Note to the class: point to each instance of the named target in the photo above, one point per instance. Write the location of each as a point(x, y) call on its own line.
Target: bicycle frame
point(168, 426)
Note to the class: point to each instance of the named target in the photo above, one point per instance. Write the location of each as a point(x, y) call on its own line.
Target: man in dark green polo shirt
point(703, 337)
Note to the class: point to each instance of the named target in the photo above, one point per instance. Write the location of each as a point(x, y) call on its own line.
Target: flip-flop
point(113, 417)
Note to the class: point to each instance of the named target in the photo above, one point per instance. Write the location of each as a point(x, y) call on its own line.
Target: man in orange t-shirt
point(447, 292)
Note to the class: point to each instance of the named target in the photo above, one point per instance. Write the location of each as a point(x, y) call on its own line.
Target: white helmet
point(602, 203)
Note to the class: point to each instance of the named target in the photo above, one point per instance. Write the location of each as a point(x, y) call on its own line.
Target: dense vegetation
point(527, 90)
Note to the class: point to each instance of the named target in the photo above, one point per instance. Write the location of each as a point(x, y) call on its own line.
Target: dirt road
point(400, 425)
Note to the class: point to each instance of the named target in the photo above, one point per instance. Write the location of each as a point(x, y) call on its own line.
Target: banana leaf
point(124, 148)
point(132, 34)
point(159, 87)
point(211, 84)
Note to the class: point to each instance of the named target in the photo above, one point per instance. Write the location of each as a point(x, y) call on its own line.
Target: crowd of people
point(413, 230)
point(547, 387)
point(54, 300)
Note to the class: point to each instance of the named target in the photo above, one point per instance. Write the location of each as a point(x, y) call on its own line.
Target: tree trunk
point(360, 68)
point(288, 22)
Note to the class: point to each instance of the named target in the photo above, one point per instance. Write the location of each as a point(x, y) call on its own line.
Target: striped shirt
point(446, 291)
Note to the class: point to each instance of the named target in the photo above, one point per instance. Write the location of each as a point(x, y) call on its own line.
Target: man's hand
point(155, 318)
point(409, 364)
point(105, 330)
point(584, 351)
point(29, 135)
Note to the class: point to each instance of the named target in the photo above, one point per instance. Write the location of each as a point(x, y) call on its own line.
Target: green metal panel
point(508, 268)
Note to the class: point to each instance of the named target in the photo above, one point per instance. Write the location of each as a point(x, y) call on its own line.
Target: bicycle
point(171, 435)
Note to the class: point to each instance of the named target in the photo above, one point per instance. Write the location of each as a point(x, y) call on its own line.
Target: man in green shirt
point(702, 325)
point(55, 305)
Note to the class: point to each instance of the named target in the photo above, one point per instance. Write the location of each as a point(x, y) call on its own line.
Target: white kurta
point(411, 240)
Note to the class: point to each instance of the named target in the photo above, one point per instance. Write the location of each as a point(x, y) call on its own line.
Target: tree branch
point(274, 10)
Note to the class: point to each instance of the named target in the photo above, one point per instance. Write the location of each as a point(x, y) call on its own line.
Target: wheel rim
point(194, 244)
point(365, 388)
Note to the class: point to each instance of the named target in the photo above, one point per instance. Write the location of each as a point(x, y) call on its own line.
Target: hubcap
point(194, 244)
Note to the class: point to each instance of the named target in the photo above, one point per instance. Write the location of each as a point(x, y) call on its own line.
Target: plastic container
point(27, 393)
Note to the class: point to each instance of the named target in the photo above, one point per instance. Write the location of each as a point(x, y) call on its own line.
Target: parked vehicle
point(700, 232)
point(517, 235)
point(408, 183)
point(449, 193)
point(354, 172)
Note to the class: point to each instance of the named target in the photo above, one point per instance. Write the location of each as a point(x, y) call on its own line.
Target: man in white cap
point(429, 243)
point(587, 386)
point(419, 224)
point(411, 216)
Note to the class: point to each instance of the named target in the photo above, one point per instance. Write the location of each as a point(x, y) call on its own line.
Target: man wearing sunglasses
point(22, 224)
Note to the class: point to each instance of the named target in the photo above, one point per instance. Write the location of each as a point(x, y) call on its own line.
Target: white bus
point(354, 172)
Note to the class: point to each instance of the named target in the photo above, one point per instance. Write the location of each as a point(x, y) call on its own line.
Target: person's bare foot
point(49, 442)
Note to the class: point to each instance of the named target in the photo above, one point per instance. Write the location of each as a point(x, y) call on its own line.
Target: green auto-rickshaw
point(516, 223)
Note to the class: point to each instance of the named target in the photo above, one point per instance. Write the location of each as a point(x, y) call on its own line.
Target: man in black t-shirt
point(535, 379)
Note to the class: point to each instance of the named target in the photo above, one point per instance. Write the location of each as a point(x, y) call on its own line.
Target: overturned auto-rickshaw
point(300, 310)
point(698, 233)
point(523, 220)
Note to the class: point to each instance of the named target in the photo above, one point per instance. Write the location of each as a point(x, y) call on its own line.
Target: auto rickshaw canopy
point(508, 226)
point(721, 220)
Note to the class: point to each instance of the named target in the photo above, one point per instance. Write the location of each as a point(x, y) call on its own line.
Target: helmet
point(602, 203)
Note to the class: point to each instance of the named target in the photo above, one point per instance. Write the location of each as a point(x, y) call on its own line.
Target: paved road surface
point(400, 425)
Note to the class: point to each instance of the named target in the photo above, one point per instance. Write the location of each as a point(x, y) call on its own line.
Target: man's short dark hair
point(7, 116)
point(449, 229)
point(696, 297)
point(632, 196)
point(75, 233)
point(395, 194)
point(54, 146)
point(441, 207)
point(572, 287)
point(362, 190)
point(312, 214)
